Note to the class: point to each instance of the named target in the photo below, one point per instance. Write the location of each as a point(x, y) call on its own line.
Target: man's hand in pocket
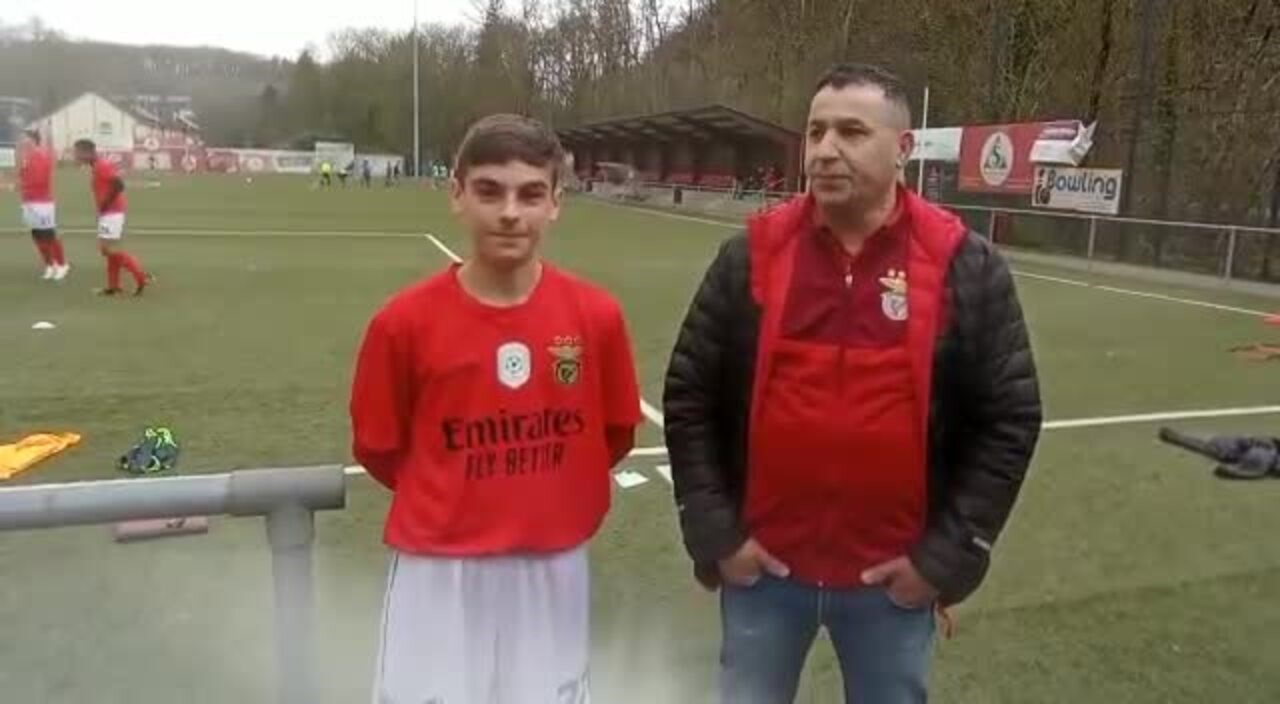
point(903, 583)
point(744, 567)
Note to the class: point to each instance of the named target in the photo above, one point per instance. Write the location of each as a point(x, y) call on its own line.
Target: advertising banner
point(937, 144)
point(1002, 158)
point(259, 161)
point(1082, 190)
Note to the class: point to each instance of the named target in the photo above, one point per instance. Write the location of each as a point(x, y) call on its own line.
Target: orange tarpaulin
point(27, 452)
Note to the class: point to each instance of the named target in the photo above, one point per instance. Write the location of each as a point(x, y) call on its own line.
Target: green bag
point(156, 452)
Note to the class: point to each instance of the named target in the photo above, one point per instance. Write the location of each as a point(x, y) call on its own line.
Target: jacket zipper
point(825, 539)
point(844, 313)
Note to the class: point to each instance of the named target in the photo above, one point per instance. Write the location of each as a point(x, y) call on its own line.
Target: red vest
point(839, 418)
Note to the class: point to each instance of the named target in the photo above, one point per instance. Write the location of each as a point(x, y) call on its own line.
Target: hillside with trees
point(41, 64)
point(1186, 92)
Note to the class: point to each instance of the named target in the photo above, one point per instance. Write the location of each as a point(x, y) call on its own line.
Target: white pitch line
point(1161, 417)
point(441, 246)
point(1185, 301)
point(242, 233)
point(628, 479)
point(652, 413)
point(673, 216)
point(1054, 279)
point(665, 471)
point(1147, 294)
point(1072, 424)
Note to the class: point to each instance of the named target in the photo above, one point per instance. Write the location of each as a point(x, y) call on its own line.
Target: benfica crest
point(566, 354)
point(893, 300)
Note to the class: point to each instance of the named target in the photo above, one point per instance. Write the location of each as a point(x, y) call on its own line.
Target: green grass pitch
point(1126, 575)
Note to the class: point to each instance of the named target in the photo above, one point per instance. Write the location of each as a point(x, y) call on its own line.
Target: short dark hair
point(33, 135)
point(85, 145)
point(853, 74)
point(503, 138)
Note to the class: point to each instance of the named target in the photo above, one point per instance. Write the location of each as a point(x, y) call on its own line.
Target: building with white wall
point(132, 137)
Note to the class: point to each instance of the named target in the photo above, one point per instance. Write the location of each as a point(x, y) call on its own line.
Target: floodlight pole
point(924, 125)
point(417, 126)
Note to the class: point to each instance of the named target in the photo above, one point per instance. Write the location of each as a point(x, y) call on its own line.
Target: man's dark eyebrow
point(529, 185)
point(485, 182)
point(839, 122)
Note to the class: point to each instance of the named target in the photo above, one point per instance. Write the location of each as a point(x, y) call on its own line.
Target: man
point(441, 174)
point(850, 409)
point(493, 399)
point(108, 197)
point(35, 186)
point(326, 174)
point(366, 174)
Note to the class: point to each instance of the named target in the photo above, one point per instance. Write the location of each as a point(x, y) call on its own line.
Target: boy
point(493, 399)
point(35, 180)
point(108, 196)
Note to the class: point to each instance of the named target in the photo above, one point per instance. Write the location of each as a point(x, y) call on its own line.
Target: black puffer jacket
point(985, 415)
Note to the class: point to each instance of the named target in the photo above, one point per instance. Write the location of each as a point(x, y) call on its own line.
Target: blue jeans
point(884, 649)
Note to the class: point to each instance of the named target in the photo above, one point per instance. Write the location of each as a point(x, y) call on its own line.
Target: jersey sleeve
point(621, 397)
point(380, 401)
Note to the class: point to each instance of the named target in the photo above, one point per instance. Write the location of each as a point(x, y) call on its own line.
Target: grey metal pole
point(291, 532)
point(924, 128)
point(1093, 239)
point(85, 503)
point(245, 493)
point(417, 125)
point(287, 497)
point(1231, 254)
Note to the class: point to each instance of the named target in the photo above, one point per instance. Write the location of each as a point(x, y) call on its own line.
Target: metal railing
point(1230, 252)
point(710, 200)
point(288, 499)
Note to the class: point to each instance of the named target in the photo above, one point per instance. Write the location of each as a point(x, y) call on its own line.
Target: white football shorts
point(39, 216)
point(111, 226)
point(490, 630)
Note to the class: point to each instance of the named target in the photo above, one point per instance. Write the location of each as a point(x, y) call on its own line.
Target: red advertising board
point(997, 158)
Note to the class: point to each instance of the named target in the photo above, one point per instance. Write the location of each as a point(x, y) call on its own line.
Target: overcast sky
point(268, 27)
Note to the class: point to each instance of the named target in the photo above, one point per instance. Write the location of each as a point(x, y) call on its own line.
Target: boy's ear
point(456, 189)
point(557, 194)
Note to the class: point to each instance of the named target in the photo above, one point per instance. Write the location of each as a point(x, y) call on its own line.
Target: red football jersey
point(35, 176)
point(489, 424)
point(104, 172)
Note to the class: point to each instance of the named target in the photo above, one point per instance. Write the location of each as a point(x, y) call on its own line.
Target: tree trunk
point(1273, 220)
point(1104, 60)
